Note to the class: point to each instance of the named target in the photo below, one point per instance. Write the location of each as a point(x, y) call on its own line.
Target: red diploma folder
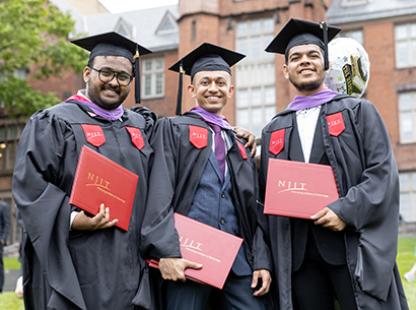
point(100, 180)
point(297, 189)
point(214, 249)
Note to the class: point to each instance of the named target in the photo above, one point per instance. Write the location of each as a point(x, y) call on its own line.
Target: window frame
point(401, 110)
point(247, 31)
point(8, 143)
point(153, 78)
point(347, 34)
point(409, 190)
point(408, 40)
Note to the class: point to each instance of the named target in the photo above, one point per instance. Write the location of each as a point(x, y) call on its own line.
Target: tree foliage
point(33, 36)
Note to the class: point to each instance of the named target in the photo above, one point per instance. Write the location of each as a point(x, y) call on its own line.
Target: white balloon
point(349, 67)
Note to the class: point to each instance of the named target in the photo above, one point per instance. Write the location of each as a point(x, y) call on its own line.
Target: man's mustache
point(109, 87)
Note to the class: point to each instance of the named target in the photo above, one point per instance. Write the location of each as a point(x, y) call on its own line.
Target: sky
point(117, 6)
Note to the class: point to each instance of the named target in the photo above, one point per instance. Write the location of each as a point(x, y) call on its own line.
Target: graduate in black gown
point(202, 170)
point(346, 252)
point(72, 260)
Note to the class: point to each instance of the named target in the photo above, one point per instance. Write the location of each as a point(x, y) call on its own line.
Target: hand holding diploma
point(327, 218)
point(100, 221)
point(174, 268)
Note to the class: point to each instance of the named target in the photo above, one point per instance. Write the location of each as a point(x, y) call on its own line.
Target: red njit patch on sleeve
point(242, 150)
point(93, 134)
point(198, 136)
point(136, 137)
point(335, 124)
point(277, 141)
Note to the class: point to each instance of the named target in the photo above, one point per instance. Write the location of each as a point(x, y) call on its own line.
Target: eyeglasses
point(106, 75)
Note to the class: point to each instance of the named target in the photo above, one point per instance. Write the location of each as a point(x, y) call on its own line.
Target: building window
point(357, 35)
point(405, 45)
point(21, 74)
point(15, 233)
point(153, 81)
point(408, 196)
point(193, 30)
point(255, 75)
point(407, 117)
point(9, 136)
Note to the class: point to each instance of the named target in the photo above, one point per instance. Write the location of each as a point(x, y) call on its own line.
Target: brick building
point(172, 31)
point(386, 29)
point(10, 129)
point(248, 27)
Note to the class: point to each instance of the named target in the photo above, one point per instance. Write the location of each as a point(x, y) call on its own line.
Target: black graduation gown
point(367, 180)
point(176, 170)
point(66, 269)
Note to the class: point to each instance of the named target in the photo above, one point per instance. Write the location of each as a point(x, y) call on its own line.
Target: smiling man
point(345, 253)
point(110, 91)
point(210, 178)
point(73, 260)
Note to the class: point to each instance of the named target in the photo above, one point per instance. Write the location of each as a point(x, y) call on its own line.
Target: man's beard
point(307, 86)
point(94, 95)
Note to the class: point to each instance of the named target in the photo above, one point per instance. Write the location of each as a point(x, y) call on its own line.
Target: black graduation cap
point(301, 32)
point(206, 57)
point(114, 44)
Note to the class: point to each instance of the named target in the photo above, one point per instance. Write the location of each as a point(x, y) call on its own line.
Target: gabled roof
point(341, 13)
point(124, 28)
point(167, 25)
point(143, 24)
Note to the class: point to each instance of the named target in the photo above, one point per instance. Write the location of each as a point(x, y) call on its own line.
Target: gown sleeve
point(371, 200)
point(159, 236)
point(44, 207)
point(149, 116)
point(371, 207)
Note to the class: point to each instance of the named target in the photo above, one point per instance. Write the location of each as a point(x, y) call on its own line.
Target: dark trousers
point(317, 285)
point(1, 269)
point(236, 294)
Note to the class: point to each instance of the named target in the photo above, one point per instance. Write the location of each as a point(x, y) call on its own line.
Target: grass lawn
point(406, 258)
point(11, 263)
point(8, 300)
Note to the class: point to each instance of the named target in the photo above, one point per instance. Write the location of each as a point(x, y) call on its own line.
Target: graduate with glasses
point(73, 260)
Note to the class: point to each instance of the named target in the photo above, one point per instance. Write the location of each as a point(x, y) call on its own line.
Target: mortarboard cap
point(114, 44)
point(206, 57)
point(301, 32)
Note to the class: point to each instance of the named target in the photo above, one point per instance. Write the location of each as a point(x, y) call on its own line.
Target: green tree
point(33, 36)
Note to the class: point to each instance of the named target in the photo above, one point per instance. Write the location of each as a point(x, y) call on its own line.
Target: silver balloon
point(349, 67)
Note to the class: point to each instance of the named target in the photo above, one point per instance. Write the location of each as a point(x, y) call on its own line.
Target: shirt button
point(222, 195)
point(222, 221)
